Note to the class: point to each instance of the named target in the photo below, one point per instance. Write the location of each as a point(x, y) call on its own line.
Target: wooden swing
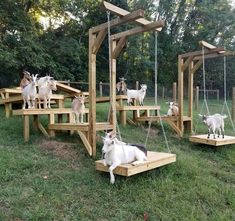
point(203, 138)
point(155, 159)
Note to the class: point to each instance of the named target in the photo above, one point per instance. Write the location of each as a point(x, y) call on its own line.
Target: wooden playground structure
point(189, 63)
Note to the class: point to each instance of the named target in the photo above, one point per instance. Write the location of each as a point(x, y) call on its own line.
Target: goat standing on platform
point(116, 153)
point(215, 123)
point(137, 94)
point(45, 92)
point(78, 108)
point(121, 86)
point(25, 80)
point(173, 109)
point(29, 93)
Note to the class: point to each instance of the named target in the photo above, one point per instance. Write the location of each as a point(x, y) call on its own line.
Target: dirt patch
point(59, 149)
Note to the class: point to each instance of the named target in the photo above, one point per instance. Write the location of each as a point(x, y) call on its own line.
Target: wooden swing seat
point(202, 139)
point(155, 160)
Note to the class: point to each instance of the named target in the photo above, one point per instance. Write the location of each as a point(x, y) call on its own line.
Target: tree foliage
point(51, 37)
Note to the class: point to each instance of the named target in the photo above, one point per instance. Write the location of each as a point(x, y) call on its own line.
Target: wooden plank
point(138, 30)
point(67, 89)
point(155, 160)
point(107, 99)
point(186, 63)
point(202, 139)
point(85, 142)
point(118, 21)
point(43, 111)
point(206, 44)
point(180, 94)
point(121, 12)
point(132, 108)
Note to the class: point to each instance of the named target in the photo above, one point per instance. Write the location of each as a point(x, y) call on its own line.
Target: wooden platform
point(155, 160)
point(80, 127)
point(213, 142)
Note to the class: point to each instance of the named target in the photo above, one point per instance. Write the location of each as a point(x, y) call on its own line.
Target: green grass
point(56, 179)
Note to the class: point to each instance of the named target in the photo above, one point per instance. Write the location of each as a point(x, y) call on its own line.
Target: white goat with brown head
point(29, 93)
point(25, 80)
point(78, 108)
point(173, 109)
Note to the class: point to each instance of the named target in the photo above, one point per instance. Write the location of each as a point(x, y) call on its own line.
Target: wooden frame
point(118, 40)
point(191, 62)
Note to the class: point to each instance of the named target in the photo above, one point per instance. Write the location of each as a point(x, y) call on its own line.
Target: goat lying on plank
point(215, 123)
point(116, 153)
point(137, 94)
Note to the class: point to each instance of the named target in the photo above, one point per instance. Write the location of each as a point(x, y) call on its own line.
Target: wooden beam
point(118, 21)
point(98, 41)
point(199, 53)
point(85, 142)
point(121, 12)
point(207, 45)
point(186, 63)
point(180, 94)
point(121, 43)
point(138, 30)
point(227, 53)
point(196, 66)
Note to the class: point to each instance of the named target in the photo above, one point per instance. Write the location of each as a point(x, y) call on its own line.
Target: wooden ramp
point(211, 141)
point(155, 160)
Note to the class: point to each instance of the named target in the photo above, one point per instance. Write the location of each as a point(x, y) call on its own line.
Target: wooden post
point(174, 91)
point(163, 93)
point(233, 104)
point(137, 85)
point(101, 89)
point(197, 97)
point(217, 92)
point(113, 86)
point(180, 93)
point(92, 93)
point(190, 96)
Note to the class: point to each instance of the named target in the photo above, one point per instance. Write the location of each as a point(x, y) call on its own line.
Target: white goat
point(215, 123)
point(173, 109)
point(116, 154)
point(137, 94)
point(43, 80)
point(78, 108)
point(29, 93)
point(45, 92)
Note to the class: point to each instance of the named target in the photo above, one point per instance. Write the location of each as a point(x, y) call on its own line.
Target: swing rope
point(113, 106)
point(225, 96)
point(204, 103)
point(156, 101)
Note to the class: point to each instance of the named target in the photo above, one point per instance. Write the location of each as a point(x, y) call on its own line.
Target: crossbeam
point(199, 53)
point(137, 30)
point(118, 21)
point(122, 12)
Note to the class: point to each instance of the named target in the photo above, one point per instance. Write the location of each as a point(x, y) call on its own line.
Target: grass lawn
point(55, 179)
